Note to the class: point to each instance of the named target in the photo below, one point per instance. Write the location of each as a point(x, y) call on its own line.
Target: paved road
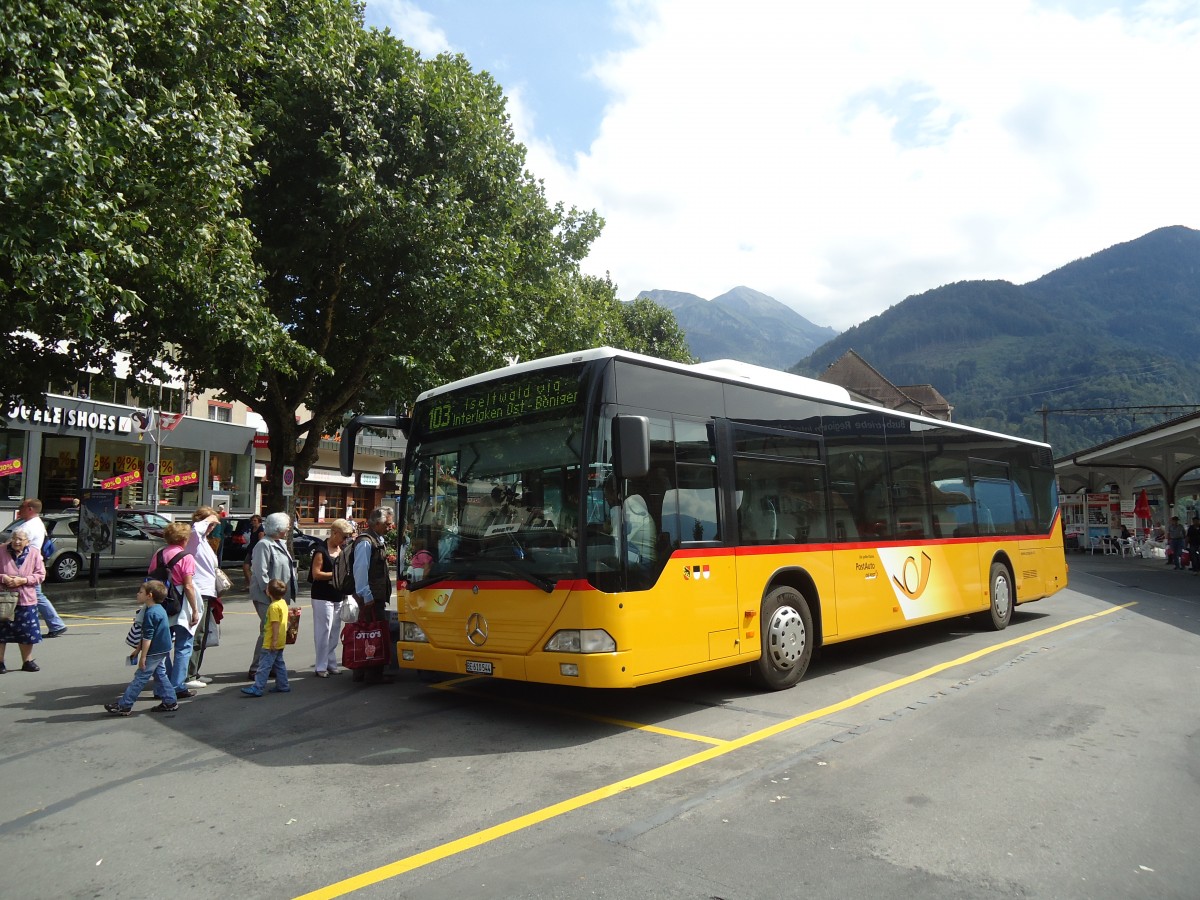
point(1055, 759)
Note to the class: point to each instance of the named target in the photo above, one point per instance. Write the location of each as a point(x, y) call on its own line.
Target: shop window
point(185, 463)
point(12, 453)
point(306, 502)
point(230, 473)
point(114, 458)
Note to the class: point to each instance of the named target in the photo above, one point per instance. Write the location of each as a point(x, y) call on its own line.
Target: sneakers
point(195, 683)
point(184, 695)
point(117, 710)
point(30, 666)
point(57, 632)
point(252, 692)
point(162, 707)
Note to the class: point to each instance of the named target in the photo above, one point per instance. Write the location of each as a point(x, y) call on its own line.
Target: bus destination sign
point(539, 392)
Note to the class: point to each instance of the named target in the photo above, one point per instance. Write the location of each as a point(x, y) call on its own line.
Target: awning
point(315, 476)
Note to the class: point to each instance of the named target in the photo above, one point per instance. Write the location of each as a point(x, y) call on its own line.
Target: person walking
point(273, 640)
point(1193, 542)
point(205, 521)
point(151, 654)
point(272, 561)
point(181, 564)
point(326, 601)
point(30, 512)
point(372, 584)
point(21, 571)
point(253, 536)
point(1175, 538)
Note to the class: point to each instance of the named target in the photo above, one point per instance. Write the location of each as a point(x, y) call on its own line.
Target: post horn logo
point(913, 578)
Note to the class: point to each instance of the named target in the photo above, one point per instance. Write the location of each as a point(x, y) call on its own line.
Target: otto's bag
point(365, 644)
point(293, 625)
point(8, 606)
point(223, 584)
point(348, 612)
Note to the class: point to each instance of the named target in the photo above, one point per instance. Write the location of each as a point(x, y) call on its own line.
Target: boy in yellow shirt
point(274, 640)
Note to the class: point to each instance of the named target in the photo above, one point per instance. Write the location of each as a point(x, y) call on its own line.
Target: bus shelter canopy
point(1169, 450)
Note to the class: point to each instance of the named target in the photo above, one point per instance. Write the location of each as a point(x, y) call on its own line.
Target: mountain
point(743, 324)
point(1118, 329)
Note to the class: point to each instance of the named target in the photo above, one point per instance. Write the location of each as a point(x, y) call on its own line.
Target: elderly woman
point(271, 560)
point(326, 602)
point(21, 571)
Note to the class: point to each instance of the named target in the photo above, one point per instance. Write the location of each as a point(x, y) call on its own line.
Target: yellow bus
point(605, 519)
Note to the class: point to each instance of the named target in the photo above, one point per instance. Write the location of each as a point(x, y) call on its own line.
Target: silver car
point(134, 547)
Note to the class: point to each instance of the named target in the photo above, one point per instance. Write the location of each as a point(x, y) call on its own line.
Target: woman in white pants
point(327, 627)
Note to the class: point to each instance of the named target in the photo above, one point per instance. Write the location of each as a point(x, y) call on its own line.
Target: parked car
point(234, 550)
point(134, 547)
point(147, 520)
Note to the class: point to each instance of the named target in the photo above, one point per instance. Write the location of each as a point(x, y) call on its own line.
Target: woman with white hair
point(21, 571)
point(271, 560)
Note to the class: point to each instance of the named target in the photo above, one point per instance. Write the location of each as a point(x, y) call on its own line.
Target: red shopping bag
point(365, 644)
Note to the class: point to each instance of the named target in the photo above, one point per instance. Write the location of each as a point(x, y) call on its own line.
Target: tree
point(400, 239)
point(122, 153)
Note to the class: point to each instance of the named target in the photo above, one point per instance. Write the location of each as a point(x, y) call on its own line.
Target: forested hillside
point(1117, 329)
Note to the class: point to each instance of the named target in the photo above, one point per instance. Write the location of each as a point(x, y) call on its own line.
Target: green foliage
point(121, 148)
point(299, 212)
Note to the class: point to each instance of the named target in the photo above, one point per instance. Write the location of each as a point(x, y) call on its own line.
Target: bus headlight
point(586, 640)
point(411, 631)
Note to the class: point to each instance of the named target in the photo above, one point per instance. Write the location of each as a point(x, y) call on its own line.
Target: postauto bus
point(605, 519)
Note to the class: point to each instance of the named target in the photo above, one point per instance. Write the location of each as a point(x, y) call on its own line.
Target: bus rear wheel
point(787, 639)
point(1003, 598)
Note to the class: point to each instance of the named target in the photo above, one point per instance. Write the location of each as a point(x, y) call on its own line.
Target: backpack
point(48, 547)
point(343, 570)
point(173, 603)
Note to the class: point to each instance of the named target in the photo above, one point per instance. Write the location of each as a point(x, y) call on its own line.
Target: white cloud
point(843, 156)
point(411, 24)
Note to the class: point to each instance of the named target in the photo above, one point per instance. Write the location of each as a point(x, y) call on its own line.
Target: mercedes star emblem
point(477, 629)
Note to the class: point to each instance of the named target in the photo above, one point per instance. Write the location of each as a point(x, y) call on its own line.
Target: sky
point(841, 156)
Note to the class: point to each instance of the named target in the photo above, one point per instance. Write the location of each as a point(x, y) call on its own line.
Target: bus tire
point(787, 639)
point(1003, 598)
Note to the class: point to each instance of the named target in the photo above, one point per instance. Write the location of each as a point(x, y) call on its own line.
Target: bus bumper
point(596, 670)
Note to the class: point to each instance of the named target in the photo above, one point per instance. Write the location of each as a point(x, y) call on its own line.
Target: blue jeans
point(48, 612)
point(271, 659)
point(183, 653)
point(156, 668)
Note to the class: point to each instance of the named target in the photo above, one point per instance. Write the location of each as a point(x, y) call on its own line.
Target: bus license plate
point(477, 667)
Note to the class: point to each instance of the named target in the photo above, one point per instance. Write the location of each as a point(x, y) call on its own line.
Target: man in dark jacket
point(1193, 542)
point(372, 582)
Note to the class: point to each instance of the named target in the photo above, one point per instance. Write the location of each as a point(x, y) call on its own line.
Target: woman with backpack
point(327, 596)
point(175, 567)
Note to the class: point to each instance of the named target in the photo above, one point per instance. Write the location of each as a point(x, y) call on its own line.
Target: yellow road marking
point(487, 835)
point(455, 687)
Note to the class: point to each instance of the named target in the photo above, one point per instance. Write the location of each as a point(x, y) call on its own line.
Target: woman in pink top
point(182, 566)
point(21, 571)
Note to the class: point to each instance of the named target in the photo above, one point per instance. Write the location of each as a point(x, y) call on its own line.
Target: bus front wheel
point(1003, 598)
point(787, 639)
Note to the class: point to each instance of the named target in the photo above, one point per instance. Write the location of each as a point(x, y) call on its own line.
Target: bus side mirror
point(631, 446)
point(350, 434)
